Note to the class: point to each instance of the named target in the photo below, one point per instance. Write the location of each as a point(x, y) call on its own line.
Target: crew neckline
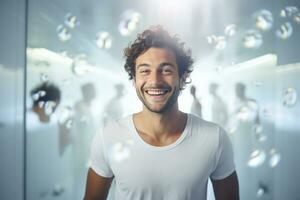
point(160, 148)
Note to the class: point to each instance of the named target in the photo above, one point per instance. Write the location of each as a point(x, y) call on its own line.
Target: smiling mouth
point(157, 92)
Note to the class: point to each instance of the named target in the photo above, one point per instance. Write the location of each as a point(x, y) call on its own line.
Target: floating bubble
point(288, 11)
point(49, 107)
point(212, 39)
point(252, 39)
point(230, 30)
point(289, 97)
point(63, 33)
point(36, 96)
point(285, 31)
point(263, 20)
point(257, 128)
point(275, 158)
point(257, 158)
point(80, 66)
point(129, 22)
point(71, 20)
point(232, 125)
point(261, 137)
point(104, 40)
point(65, 114)
point(41, 104)
point(296, 18)
point(248, 112)
point(221, 43)
point(120, 152)
point(260, 192)
point(69, 123)
point(44, 77)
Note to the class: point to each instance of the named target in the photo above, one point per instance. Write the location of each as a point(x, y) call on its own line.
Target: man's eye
point(144, 71)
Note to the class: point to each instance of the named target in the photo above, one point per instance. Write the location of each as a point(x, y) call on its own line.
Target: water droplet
point(65, 113)
point(221, 43)
point(41, 104)
point(120, 152)
point(288, 11)
point(257, 158)
point(230, 30)
point(49, 107)
point(257, 128)
point(104, 40)
point(36, 96)
point(63, 33)
point(289, 97)
point(71, 20)
point(80, 66)
point(212, 39)
point(296, 18)
point(44, 77)
point(252, 39)
point(260, 192)
point(248, 112)
point(69, 124)
point(275, 158)
point(285, 31)
point(129, 22)
point(263, 20)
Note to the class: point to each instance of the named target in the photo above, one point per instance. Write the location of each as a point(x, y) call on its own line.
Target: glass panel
point(245, 78)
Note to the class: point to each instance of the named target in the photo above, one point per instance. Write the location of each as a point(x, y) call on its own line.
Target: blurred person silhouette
point(196, 107)
point(113, 110)
point(219, 111)
point(83, 129)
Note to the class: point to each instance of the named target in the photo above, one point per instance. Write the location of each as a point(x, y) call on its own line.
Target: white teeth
point(156, 92)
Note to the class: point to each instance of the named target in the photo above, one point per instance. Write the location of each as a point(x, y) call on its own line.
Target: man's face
point(156, 79)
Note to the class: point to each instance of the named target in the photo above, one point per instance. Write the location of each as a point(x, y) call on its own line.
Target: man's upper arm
point(97, 187)
point(227, 188)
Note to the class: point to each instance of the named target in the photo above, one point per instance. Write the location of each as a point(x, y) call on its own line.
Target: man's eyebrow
point(167, 63)
point(142, 65)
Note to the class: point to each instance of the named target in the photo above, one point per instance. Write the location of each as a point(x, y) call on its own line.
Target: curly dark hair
point(158, 37)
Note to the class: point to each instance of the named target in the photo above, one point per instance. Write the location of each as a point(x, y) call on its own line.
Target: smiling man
point(161, 153)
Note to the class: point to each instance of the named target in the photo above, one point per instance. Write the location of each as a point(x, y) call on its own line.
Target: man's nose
point(155, 77)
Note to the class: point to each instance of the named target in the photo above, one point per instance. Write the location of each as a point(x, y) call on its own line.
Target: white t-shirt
point(178, 171)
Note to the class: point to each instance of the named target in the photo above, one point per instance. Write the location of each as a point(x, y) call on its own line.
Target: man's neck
point(160, 125)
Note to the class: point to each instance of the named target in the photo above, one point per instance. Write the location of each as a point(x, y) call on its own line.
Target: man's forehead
point(155, 54)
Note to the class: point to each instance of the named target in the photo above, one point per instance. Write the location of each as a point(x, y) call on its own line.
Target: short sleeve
point(98, 158)
point(224, 158)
